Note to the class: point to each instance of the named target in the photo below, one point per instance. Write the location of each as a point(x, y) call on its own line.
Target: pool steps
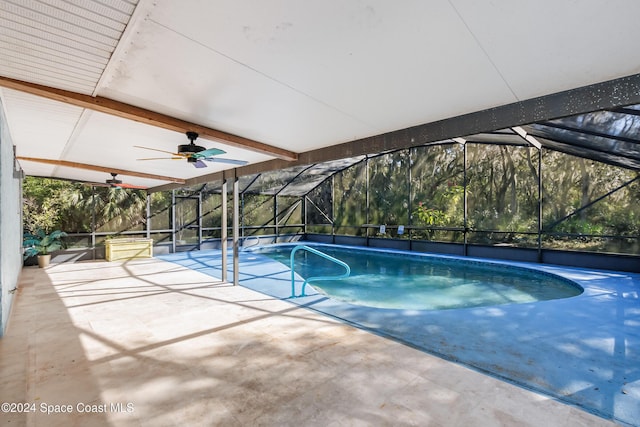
point(315, 278)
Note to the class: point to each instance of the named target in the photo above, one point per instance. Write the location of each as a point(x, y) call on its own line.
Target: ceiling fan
point(195, 154)
point(117, 183)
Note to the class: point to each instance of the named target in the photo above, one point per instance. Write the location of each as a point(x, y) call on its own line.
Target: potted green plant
point(42, 244)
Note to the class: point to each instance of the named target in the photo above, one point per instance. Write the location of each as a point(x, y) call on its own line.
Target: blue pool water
point(420, 282)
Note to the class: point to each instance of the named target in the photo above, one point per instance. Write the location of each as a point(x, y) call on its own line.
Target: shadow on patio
point(153, 343)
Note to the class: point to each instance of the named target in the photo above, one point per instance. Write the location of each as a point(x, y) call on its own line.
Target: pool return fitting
point(316, 278)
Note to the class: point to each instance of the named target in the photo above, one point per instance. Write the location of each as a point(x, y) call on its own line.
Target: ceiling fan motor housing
point(190, 148)
point(113, 180)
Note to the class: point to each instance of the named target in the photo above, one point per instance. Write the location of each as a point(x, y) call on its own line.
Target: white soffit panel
point(178, 77)
point(379, 63)
point(65, 46)
point(124, 135)
point(37, 169)
point(39, 127)
point(306, 75)
point(546, 46)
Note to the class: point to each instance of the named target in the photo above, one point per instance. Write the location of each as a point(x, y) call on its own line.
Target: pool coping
point(583, 350)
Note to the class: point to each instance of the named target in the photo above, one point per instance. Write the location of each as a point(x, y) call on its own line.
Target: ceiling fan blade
point(96, 184)
point(228, 161)
point(199, 164)
point(102, 184)
point(161, 151)
point(131, 186)
point(163, 158)
point(208, 153)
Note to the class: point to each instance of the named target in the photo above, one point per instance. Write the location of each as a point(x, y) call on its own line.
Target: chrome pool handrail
point(246, 239)
point(318, 278)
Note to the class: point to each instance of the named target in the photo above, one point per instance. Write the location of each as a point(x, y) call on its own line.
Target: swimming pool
point(396, 280)
point(584, 350)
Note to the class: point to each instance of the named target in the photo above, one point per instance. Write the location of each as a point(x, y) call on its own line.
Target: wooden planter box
point(119, 249)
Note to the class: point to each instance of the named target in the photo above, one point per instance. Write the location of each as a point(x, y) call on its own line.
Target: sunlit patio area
point(152, 151)
point(152, 343)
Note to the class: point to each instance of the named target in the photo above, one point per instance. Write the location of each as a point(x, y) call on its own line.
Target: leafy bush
point(41, 243)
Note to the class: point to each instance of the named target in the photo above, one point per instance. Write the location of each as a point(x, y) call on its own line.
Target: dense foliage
point(581, 204)
point(488, 194)
point(50, 204)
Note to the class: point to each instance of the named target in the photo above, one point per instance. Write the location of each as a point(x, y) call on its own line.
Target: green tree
point(52, 204)
point(45, 203)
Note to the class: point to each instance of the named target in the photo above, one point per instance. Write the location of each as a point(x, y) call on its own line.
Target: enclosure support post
point(409, 190)
point(200, 219)
point(464, 198)
point(304, 217)
point(148, 222)
point(275, 215)
point(173, 221)
point(93, 220)
point(241, 209)
point(236, 232)
point(540, 204)
point(367, 198)
point(223, 229)
point(333, 208)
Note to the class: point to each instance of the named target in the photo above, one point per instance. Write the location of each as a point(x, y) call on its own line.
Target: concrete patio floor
point(152, 343)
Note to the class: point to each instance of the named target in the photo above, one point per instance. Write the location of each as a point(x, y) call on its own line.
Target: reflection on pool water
point(420, 282)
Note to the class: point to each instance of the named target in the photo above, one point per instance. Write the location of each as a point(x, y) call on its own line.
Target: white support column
point(173, 221)
point(148, 214)
point(223, 228)
point(236, 229)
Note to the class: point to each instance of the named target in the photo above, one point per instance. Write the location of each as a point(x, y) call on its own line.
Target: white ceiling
point(298, 75)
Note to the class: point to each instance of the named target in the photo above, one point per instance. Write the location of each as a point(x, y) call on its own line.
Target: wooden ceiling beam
point(141, 115)
point(101, 169)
